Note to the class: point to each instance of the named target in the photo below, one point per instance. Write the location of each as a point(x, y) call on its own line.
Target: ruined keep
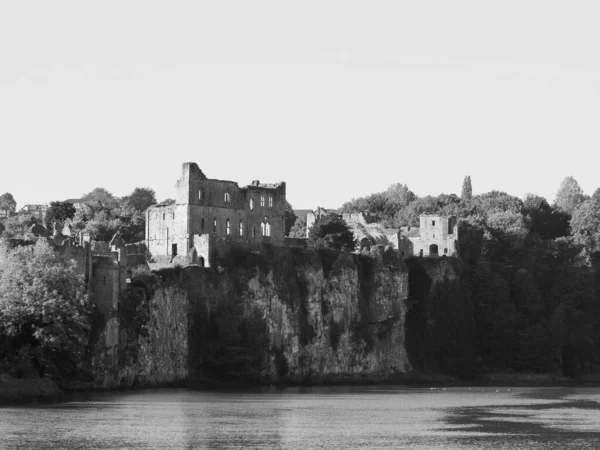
point(436, 236)
point(206, 209)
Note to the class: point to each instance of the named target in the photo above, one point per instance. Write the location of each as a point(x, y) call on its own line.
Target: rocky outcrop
point(269, 315)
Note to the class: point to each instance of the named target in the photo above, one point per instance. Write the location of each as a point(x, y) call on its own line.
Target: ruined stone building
point(436, 235)
point(206, 209)
point(105, 266)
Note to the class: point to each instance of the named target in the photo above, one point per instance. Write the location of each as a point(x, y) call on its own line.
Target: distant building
point(436, 236)
point(207, 208)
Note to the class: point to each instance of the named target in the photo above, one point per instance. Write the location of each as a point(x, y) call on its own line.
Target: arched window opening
point(421, 253)
point(202, 226)
point(200, 194)
point(253, 231)
point(227, 229)
point(262, 200)
point(267, 229)
point(215, 225)
point(270, 201)
point(262, 229)
point(241, 227)
point(251, 204)
point(201, 261)
point(227, 197)
point(433, 250)
point(445, 251)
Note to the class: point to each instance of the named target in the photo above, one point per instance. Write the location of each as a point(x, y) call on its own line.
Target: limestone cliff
point(267, 315)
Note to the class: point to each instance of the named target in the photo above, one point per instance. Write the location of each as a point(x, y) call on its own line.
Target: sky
point(339, 99)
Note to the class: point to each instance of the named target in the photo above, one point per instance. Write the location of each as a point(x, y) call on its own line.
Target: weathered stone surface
point(276, 314)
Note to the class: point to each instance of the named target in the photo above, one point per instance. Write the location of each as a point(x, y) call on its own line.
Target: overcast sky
point(338, 98)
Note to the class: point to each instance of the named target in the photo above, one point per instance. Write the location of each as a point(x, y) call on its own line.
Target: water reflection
point(335, 418)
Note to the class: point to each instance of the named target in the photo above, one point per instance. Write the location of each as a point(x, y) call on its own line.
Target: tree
point(399, 195)
point(140, 199)
point(569, 195)
point(332, 231)
point(467, 190)
point(44, 308)
point(58, 213)
point(102, 197)
point(289, 218)
point(8, 205)
point(585, 224)
point(545, 221)
point(168, 201)
point(298, 230)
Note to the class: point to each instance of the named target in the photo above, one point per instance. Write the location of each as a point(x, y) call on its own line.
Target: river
point(378, 417)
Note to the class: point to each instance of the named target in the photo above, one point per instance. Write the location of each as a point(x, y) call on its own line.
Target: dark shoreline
point(32, 391)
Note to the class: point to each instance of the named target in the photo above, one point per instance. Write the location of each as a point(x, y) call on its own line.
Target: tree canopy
point(569, 195)
point(58, 213)
point(332, 231)
point(44, 308)
point(140, 199)
point(467, 190)
point(8, 203)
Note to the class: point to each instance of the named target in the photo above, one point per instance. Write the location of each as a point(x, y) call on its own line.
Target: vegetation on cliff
point(44, 313)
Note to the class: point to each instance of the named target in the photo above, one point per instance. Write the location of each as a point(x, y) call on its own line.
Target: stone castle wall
point(218, 208)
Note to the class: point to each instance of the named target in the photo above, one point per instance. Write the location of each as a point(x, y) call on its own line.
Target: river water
point(313, 418)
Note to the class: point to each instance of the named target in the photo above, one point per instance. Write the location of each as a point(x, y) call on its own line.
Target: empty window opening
point(104, 280)
point(267, 229)
point(262, 200)
point(445, 251)
point(262, 229)
point(200, 194)
point(227, 229)
point(164, 216)
point(433, 250)
point(253, 231)
point(202, 226)
point(434, 236)
point(270, 201)
point(241, 227)
point(433, 223)
point(251, 204)
point(227, 197)
point(174, 250)
point(173, 215)
point(421, 252)
point(201, 261)
point(215, 225)
point(403, 254)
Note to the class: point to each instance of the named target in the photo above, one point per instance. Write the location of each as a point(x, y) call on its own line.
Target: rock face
point(268, 315)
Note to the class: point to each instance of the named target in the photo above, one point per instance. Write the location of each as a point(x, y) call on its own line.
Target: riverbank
point(27, 390)
point(38, 390)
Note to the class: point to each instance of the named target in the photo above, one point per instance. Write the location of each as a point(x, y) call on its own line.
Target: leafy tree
point(58, 213)
point(545, 221)
point(298, 230)
point(289, 218)
point(399, 196)
point(585, 224)
point(140, 199)
point(44, 308)
point(569, 195)
point(495, 201)
point(168, 201)
point(8, 203)
point(17, 227)
point(101, 197)
point(331, 231)
point(467, 190)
